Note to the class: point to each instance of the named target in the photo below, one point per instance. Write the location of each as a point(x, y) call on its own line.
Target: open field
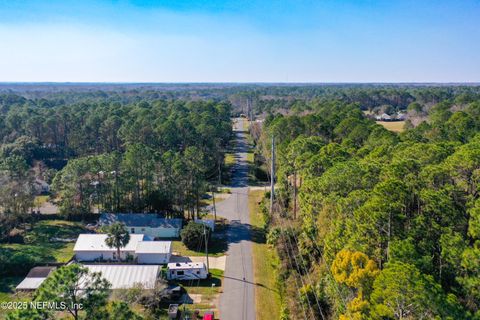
point(39, 248)
point(265, 259)
point(40, 245)
point(395, 126)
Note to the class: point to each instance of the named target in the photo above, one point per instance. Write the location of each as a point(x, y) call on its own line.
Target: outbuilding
point(186, 271)
point(153, 252)
point(150, 224)
point(34, 278)
point(126, 276)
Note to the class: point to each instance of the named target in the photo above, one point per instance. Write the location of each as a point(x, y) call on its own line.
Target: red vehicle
point(208, 316)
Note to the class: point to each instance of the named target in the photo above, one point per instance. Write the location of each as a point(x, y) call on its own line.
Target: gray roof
point(40, 272)
point(151, 220)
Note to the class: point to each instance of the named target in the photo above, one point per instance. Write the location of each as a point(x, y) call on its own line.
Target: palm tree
point(118, 237)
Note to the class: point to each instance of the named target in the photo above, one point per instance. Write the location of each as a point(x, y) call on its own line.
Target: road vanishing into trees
point(237, 302)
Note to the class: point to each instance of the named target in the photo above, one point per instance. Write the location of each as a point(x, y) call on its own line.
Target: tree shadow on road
point(238, 232)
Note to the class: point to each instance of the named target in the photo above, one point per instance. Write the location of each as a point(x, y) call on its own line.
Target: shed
point(186, 271)
point(153, 252)
point(150, 224)
point(34, 278)
point(127, 276)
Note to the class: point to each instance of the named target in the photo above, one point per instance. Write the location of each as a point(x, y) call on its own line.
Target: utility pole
point(272, 177)
point(214, 207)
point(206, 246)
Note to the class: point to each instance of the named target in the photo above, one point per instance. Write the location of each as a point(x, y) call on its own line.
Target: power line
point(306, 272)
point(296, 279)
point(319, 250)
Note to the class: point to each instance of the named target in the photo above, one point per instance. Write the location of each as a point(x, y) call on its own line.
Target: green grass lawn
point(216, 248)
point(395, 126)
point(7, 292)
point(39, 241)
point(39, 248)
point(265, 261)
point(40, 200)
point(17, 259)
point(208, 288)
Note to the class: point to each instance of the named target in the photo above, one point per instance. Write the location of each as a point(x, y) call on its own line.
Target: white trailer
point(186, 271)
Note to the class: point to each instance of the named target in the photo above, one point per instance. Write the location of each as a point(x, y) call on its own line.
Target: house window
point(198, 272)
point(180, 273)
point(132, 230)
point(143, 229)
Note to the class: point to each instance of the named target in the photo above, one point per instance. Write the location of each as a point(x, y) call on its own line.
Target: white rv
point(186, 271)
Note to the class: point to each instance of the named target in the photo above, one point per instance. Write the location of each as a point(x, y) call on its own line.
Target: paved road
point(237, 302)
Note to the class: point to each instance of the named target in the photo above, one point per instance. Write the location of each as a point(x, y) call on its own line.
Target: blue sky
point(240, 41)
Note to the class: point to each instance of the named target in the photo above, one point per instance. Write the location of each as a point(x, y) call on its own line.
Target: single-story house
point(186, 271)
point(34, 278)
point(92, 247)
point(209, 223)
point(385, 117)
point(127, 276)
point(150, 224)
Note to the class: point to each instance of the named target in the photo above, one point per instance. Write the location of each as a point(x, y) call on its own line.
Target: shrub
point(193, 235)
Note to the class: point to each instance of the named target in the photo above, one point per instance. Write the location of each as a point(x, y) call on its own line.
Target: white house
point(92, 247)
point(186, 271)
point(150, 224)
point(386, 117)
point(126, 276)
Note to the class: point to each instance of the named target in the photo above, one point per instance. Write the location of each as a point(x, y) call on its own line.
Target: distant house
point(34, 278)
point(145, 223)
point(209, 223)
point(126, 276)
point(92, 247)
point(41, 186)
point(186, 271)
point(385, 117)
point(401, 116)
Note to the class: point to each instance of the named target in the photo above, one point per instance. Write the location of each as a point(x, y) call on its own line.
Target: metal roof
point(127, 276)
point(96, 242)
point(154, 247)
point(151, 220)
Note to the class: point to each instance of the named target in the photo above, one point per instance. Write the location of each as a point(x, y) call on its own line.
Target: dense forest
point(157, 156)
point(368, 223)
point(371, 224)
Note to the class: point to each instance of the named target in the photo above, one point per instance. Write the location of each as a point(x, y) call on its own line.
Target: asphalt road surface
point(237, 302)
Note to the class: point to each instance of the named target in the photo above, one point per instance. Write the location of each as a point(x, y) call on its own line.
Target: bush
point(193, 235)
